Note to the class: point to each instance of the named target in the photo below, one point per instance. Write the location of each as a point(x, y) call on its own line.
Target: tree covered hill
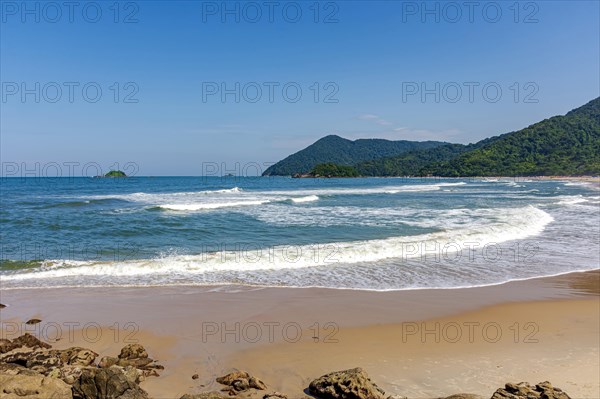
point(561, 145)
point(411, 163)
point(333, 170)
point(335, 149)
point(416, 163)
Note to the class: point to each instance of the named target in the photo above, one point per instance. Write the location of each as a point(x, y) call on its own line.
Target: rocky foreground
point(31, 369)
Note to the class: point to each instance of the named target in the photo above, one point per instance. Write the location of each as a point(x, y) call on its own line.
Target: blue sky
point(370, 63)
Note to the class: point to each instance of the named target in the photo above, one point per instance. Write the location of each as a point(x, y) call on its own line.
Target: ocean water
point(372, 234)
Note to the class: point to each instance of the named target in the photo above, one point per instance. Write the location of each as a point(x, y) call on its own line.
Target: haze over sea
point(367, 233)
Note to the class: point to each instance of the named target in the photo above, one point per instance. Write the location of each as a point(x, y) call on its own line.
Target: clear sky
point(361, 68)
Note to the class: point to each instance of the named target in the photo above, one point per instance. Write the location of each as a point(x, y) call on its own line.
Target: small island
point(114, 173)
point(330, 170)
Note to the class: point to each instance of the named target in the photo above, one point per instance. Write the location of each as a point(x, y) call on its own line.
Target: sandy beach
point(417, 343)
point(300, 199)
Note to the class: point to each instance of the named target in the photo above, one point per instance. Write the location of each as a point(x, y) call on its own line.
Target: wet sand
point(419, 343)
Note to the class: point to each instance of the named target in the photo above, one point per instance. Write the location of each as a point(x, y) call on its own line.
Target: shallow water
point(375, 234)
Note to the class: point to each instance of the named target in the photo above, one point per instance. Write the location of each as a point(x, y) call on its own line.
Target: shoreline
point(195, 330)
point(579, 284)
point(232, 288)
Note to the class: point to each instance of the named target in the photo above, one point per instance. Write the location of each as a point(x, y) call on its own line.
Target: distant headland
point(564, 145)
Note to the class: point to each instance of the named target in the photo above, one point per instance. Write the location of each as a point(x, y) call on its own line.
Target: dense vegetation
point(561, 145)
point(341, 151)
point(411, 163)
point(115, 173)
point(333, 170)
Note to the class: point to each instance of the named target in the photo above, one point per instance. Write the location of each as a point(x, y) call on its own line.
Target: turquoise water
point(376, 234)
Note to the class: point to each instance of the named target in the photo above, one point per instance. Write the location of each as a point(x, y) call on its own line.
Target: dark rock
point(240, 381)
point(257, 384)
point(107, 383)
point(18, 358)
point(136, 356)
point(14, 369)
point(346, 384)
point(133, 351)
point(6, 345)
point(45, 361)
point(240, 384)
point(76, 356)
point(64, 364)
point(522, 390)
point(43, 367)
point(29, 341)
point(41, 361)
point(137, 363)
point(195, 377)
point(108, 361)
point(33, 321)
point(229, 378)
point(135, 374)
point(2, 306)
point(68, 374)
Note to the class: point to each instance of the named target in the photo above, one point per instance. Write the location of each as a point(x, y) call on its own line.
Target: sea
point(377, 234)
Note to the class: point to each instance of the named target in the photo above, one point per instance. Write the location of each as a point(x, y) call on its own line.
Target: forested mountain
point(561, 145)
point(335, 149)
point(410, 163)
point(416, 163)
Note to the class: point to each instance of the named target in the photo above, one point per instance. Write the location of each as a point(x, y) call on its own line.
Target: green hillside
point(410, 164)
point(561, 145)
point(335, 149)
point(416, 163)
point(333, 170)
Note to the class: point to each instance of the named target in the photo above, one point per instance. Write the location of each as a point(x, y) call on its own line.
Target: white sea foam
point(308, 198)
point(210, 205)
point(365, 191)
point(154, 197)
point(509, 224)
point(236, 197)
point(227, 190)
point(513, 184)
point(236, 192)
point(326, 216)
point(577, 183)
point(572, 200)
